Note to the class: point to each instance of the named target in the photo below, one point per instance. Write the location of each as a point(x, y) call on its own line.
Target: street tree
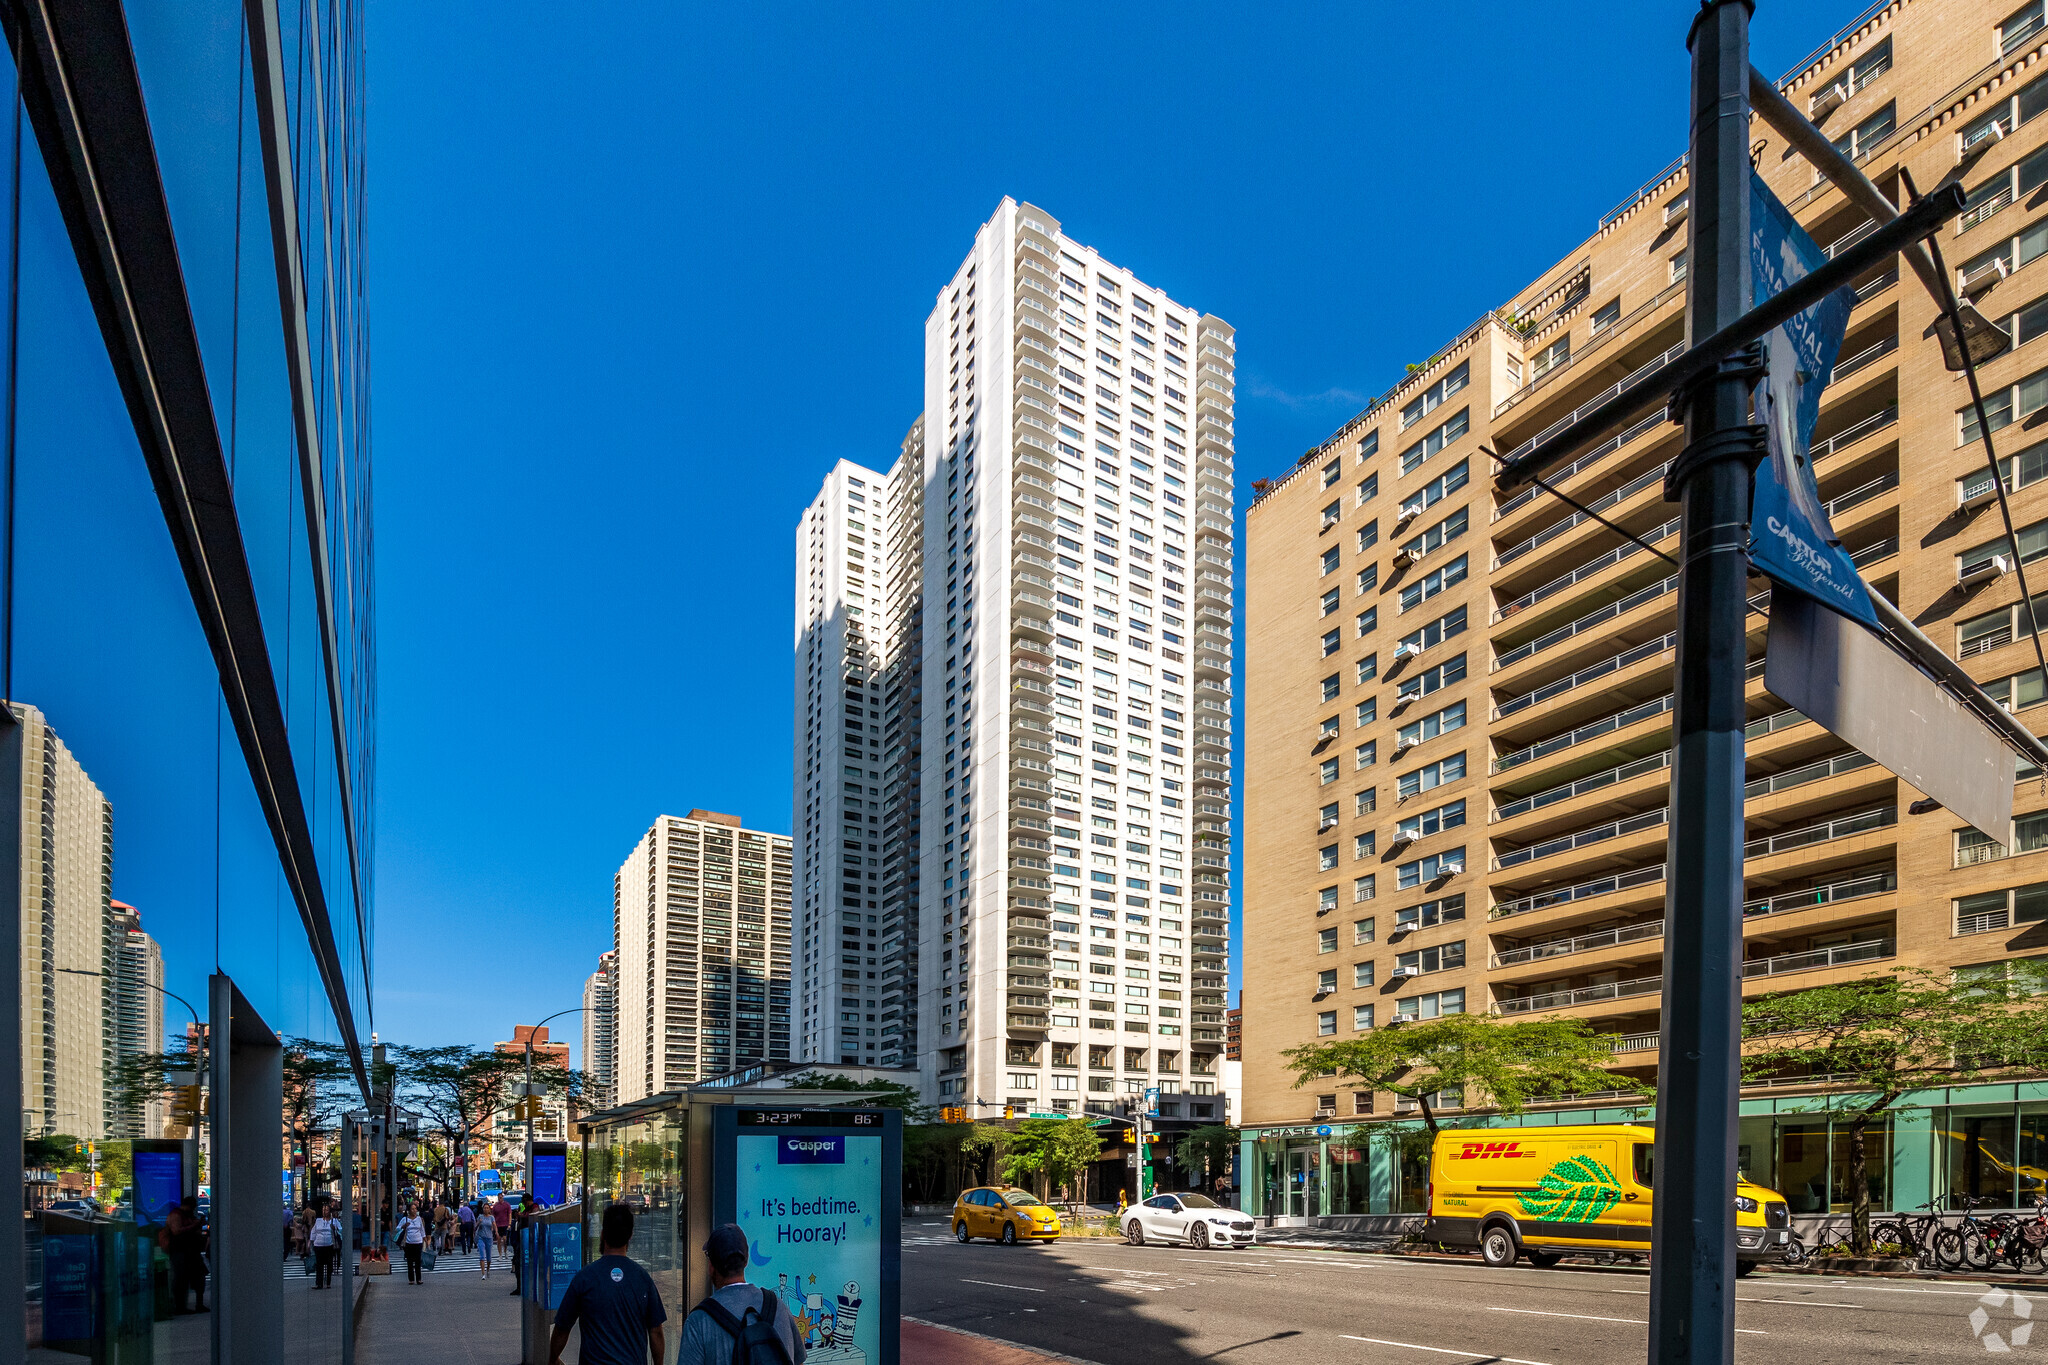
point(1208, 1150)
point(1053, 1151)
point(1481, 1058)
point(886, 1094)
point(1875, 1040)
point(457, 1088)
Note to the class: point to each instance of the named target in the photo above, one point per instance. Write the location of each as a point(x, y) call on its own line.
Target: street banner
point(1790, 538)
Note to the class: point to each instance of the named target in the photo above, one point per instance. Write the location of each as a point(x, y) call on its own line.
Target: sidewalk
point(930, 1344)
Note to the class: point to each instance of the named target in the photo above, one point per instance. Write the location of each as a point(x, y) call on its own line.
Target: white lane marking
point(1804, 1303)
point(994, 1285)
point(1746, 1331)
point(1582, 1317)
point(1895, 1289)
point(1441, 1350)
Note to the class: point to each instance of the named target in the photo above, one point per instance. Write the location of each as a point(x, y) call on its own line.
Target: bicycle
point(1968, 1243)
point(2024, 1241)
point(1911, 1234)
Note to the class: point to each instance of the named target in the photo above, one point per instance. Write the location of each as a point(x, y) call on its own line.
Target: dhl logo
point(1483, 1150)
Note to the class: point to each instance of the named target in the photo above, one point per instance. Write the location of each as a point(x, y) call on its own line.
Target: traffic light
point(1151, 1138)
point(953, 1114)
point(1009, 1111)
point(1130, 1137)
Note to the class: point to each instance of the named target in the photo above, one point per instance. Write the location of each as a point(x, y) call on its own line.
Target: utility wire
point(1953, 312)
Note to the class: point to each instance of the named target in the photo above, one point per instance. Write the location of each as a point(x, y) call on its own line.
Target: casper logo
point(1482, 1150)
point(809, 1151)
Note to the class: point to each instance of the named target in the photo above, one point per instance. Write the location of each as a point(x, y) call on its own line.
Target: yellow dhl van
point(1549, 1192)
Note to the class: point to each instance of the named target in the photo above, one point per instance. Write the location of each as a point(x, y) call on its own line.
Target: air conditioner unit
point(1984, 279)
point(1402, 972)
point(1403, 558)
point(1326, 825)
point(1449, 869)
point(1398, 842)
point(1407, 651)
point(1328, 522)
point(1408, 514)
point(1400, 749)
point(1675, 212)
point(1827, 101)
point(1987, 493)
point(1995, 567)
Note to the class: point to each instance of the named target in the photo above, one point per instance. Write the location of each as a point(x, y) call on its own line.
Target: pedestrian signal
point(1151, 1137)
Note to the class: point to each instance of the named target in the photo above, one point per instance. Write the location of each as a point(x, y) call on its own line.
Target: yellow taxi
point(1005, 1213)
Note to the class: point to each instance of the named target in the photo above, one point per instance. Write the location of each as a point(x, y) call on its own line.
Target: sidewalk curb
point(999, 1341)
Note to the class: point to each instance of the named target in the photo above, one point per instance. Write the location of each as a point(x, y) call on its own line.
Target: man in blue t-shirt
point(616, 1302)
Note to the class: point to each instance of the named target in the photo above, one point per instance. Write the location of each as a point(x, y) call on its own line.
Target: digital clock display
point(870, 1119)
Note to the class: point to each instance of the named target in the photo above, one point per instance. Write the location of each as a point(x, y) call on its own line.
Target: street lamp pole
point(528, 1096)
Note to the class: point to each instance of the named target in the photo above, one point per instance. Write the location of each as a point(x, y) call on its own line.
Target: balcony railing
point(1839, 956)
point(1600, 504)
point(1634, 654)
point(1584, 943)
point(1613, 829)
point(1870, 554)
point(1627, 381)
point(1565, 895)
point(1777, 720)
point(1810, 772)
point(1591, 567)
point(1862, 493)
point(1867, 356)
point(1874, 884)
point(1584, 462)
point(1983, 922)
point(1591, 730)
point(1855, 432)
point(1635, 1042)
point(1598, 616)
point(1621, 773)
point(1860, 823)
point(1584, 995)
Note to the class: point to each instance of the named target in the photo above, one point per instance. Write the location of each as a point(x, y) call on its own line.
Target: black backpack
point(754, 1342)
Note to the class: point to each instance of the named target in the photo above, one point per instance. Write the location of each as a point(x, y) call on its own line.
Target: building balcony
point(1575, 535)
point(1586, 637)
point(1579, 583)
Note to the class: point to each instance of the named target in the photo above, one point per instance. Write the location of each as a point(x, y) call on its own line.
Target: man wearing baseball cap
point(708, 1340)
point(616, 1302)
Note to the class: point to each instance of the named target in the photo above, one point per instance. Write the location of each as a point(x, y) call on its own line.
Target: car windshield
point(1197, 1201)
point(1018, 1199)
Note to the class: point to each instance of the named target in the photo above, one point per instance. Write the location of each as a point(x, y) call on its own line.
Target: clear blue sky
point(641, 273)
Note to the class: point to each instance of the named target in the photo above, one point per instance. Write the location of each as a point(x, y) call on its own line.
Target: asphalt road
point(1104, 1301)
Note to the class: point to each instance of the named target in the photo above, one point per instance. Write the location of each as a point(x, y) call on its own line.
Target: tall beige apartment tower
point(69, 1021)
point(1458, 701)
point(138, 1014)
point(600, 1029)
point(700, 921)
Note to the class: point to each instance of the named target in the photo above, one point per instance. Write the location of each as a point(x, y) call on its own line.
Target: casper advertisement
point(811, 1207)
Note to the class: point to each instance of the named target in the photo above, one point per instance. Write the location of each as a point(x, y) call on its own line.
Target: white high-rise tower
point(1071, 619)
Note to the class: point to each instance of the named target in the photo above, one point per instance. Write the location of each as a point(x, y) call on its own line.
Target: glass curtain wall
point(150, 858)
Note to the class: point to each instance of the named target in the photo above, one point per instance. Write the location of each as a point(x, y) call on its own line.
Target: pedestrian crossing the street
point(447, 1263)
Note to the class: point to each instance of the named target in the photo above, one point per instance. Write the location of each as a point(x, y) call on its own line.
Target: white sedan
point(1192, 1218)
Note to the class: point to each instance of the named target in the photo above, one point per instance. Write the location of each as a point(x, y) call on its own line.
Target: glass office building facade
point(186, 656)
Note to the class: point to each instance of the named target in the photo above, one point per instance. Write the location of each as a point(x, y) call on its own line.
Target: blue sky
point(641, 276)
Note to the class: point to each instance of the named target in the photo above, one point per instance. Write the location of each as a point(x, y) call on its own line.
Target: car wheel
point(1134, 1234)
point(1198, 1237)
point(1009, 1238)
point(1497, 1246)
point(1745, 1267)
point(960, 1233)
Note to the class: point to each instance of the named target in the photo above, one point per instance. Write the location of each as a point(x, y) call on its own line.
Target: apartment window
point(1328, 770)
point(1326, 857)
point(1434, 821)
point(1996, 262)
point(1361, 975)
point(1432, 583)
point(1429, 914)
point(1368, 621)
point(1363, 888)
point(1331, 514)
point(1326, 901)
point(2030, 835)
point(2008, 114)
point(1435, 633)
point(1369, 446)
point(1330, 601)
point(2004, 406)
point(1433, 397)
point(1368, 753)
point(1332, 471)
point(1550, 357)
point(2033, 543)
point(1677, 267)
point(1995, 910)
point(1368, 578)
point(2018, 691)
point(1332, 642)
point(1431, 1006)
point(1331, 686)
point(1996, 628)
point(1860, 141)
point(1361, 1019)
point(1368, 711)
point(1368, 488)
point(1364, 845)
point(1433, 679)
point(1369, 535)
point(2031, 322)
point(1432, 775)
point(1368, 668)
point(1364, 802)
point(1436, 723)
point(1870, 66)
point(1438, 488)
point(1437, 441)
point(1326, 1024)
point(1448, 863)
point(2022, 24)
point(1362, 930)
point(1438, 959)
point(1330, 558)
point(1329, 816)
point(1445, 531)
point(2002, 189)
point(1326, 982)
point(1606, 315)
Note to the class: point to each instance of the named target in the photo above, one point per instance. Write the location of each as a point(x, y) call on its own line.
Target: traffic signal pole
point(1692, 1261)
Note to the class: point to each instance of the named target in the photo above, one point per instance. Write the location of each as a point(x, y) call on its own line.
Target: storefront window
point(1979, 1144)
point(1803, 1166)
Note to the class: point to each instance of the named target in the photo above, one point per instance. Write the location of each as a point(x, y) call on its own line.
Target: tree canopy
point(1051, 1151)
point(1479, 1057)
point(887, 1094)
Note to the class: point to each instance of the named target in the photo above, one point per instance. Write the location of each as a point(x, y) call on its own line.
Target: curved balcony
point(1592, 567)
point(1592, 620)
point(1583, 995)
point(1647, 931)
point(1648, 478)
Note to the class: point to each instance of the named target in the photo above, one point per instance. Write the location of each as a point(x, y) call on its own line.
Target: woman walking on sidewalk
point(326, 1238)
point(412, 1231)
point(486, 1237)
